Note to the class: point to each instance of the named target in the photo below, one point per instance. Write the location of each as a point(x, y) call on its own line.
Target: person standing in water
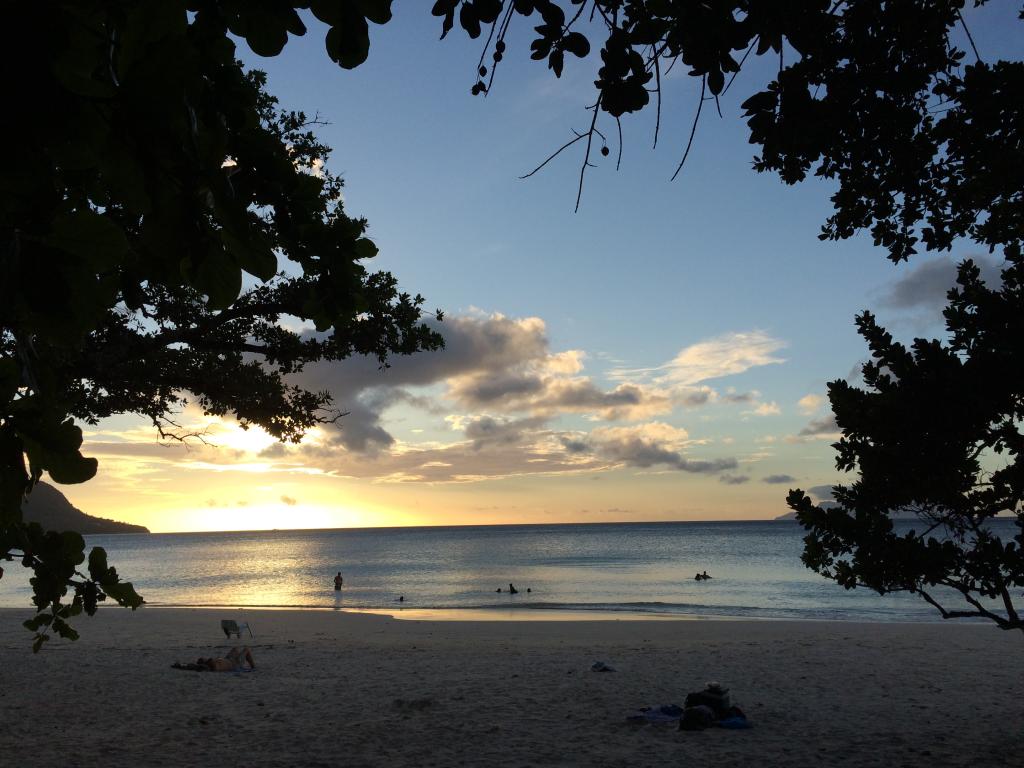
point(338, 581)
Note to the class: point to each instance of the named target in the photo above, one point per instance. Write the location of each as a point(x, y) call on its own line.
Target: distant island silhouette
point(52, 510)
point(893, 515)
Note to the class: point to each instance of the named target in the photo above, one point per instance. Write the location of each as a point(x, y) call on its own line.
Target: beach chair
point(232, 627)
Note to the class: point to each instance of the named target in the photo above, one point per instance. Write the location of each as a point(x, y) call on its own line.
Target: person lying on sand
point(235, 659)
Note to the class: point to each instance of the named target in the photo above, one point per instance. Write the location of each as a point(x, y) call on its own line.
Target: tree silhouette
point(149, 172)
point(875, 95)
point(925, 144)
point(149, 175)
point(936, 432)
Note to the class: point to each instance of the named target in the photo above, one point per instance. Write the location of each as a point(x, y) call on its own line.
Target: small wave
point(680, 610)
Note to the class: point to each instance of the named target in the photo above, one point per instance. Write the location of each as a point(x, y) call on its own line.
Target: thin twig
point(742, 62)
point(618, 162)
point(970, 39)
point(608, 22)
point(501, 37)
point(573, 19)
point(657, 119)
point(487, 45)
point(586, 157)
point(693, 129)
point(555, 154)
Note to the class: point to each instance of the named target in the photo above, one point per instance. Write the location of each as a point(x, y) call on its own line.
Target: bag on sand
point(713, 696)
point(697, 718)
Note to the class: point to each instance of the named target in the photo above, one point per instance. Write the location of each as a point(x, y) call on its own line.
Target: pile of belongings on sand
point(700, 710)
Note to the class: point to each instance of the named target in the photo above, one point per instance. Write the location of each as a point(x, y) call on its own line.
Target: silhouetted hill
point(792, 515)
point(51, 509)
point(828, 504)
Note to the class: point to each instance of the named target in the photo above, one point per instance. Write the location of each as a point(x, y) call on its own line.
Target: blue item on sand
point(666, 714)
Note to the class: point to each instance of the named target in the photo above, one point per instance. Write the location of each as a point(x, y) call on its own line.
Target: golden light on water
point(270, 516)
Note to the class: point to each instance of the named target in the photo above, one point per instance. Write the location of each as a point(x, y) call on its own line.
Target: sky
point(662, 354)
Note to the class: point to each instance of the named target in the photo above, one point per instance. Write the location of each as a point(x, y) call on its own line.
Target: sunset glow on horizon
point(662, 354)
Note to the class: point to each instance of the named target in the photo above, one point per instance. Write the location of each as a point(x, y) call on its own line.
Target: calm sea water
point(633, 568)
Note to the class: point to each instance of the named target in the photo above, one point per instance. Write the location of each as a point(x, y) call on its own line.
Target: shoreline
point(525, 614)
point(529, 613)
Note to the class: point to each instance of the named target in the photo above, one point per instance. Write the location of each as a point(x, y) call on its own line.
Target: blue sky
point(720, 264)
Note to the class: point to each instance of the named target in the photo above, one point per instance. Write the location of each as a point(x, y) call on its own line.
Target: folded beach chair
point(232, 627)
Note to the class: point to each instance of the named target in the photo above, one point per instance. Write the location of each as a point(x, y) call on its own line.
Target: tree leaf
point(576, 44)
point(365, 249)
point(71, 468)
point(488, 10)
point(54, 448)
point(90, 235)
point(266, 35)
point(470, 20)
point(38, 642)
point(348, 42)
point(10, 379)
point(444, 7)
point(254, 255)
point(377, 11)
point(217, 276)
point(124, 593)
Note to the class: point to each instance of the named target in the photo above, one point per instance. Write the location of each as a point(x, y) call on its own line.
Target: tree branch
point(693, 130)
point(586, 157)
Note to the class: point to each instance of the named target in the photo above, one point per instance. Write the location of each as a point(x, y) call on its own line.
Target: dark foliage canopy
point(935, 431)
point(149, 172)
point(924, 143)
point(920, 137)
point(159, 216)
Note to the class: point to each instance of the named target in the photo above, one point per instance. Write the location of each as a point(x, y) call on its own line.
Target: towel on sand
point(664, 714)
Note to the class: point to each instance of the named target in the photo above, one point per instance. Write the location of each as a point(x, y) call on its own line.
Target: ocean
point(628, 568)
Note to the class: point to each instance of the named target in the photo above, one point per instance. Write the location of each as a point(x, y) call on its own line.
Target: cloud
point(778, 479)
point(729, 479)
point(289, 501)
point(739, 397)
point(808, 404)
point(539, 393)
point(766, 409)
point(500, 389)
point(726, 355)
point(487, 431)
point(826, 425)
point(821, 492)
point(650, 445)
point(821, 428)
point(360, 429)
point(504, 368)
point(473, 345)
point(926, 284)
point(274, 451)
point(490, 363)
point(487, 448)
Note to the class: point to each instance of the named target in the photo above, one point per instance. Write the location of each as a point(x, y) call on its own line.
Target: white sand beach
point(344, 689)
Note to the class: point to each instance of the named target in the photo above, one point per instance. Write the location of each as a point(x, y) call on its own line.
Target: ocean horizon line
point(459, 526)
